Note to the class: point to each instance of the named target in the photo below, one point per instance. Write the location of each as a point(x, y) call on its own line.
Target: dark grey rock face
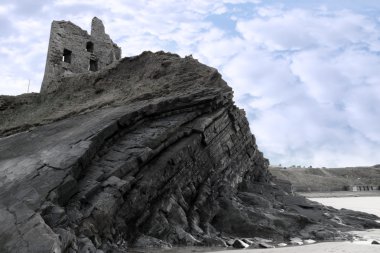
point(166, 159)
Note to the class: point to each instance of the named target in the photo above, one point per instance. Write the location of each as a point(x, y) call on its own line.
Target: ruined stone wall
point(72, 50)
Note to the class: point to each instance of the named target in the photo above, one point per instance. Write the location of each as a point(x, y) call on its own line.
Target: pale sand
point(330, 247)
point(362, 204)
point(368, 235)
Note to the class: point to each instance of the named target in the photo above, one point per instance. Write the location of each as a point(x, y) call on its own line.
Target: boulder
point(239, 244)
point(248, 241)
point(213, 242)
point(265, 245)
point(309, 241)
point(296, 241)
point(230, 242)
point(145, 241)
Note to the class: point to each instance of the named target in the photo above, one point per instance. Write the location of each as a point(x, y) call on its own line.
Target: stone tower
point(72, 50)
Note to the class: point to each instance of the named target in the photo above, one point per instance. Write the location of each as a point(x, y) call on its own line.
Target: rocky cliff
point(149, 152)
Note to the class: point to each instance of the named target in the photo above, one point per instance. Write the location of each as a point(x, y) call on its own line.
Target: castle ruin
point(72, 51)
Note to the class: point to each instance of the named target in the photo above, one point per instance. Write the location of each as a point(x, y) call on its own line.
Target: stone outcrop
point(72, 51)
point(149, 152)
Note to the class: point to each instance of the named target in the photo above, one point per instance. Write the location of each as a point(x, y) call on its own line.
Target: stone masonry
point(72, 50)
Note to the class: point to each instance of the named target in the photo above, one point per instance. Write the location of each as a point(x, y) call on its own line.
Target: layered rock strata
point(151, 152)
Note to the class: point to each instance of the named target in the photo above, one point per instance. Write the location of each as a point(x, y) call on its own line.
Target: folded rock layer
point(150, 152)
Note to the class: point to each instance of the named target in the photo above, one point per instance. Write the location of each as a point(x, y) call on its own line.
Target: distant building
point(72, 51)
point(357, 188)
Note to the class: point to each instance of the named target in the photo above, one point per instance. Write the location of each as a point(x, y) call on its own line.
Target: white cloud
point(315, 85)
point(278, 29)
point(308, 78)
point(12, 84)
point(6, 8)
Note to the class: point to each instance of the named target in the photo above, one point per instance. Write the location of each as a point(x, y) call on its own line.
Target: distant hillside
point(328, 179)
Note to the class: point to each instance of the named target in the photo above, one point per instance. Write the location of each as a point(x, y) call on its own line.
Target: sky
point(306, 72)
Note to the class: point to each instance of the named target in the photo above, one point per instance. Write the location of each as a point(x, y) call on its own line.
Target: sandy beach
point(331, 247)
point(363, 204)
